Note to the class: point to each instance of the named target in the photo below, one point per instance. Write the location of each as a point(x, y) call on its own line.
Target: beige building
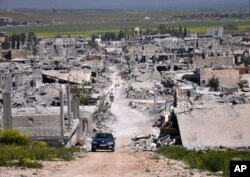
point(19, 54)
point(1, 54)
point(2, 39)
point(226, 76)
point(214, 61)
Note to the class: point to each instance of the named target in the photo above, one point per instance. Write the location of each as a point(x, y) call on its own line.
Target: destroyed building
point(165, 76)
point(30, 91)
point(182, 68)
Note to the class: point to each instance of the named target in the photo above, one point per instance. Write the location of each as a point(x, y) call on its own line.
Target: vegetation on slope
point(18, 149)
point(211, 160)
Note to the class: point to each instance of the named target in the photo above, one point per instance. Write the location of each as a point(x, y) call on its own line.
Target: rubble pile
point(161, 73)
point(145, 93)
point(168, 135)
point(102, 114)
point(143, 143)
point(139, 94)
point(244, 85)
point(239, 99)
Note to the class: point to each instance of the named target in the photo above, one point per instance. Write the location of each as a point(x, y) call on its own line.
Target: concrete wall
point(2, 39)
point(213, 62)
point(38, 125)
point(226, 77)
point(1, 54)
point(214, 125)
point(1, 122)
point(19, 54)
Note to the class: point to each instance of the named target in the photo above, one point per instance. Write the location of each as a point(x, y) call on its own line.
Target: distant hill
point(128, 4)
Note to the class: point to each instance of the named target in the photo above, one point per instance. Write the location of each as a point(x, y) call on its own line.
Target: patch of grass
point(29, 163)
point(211, 160)
point(30, 155)
point(14, 137)
point(20, 151)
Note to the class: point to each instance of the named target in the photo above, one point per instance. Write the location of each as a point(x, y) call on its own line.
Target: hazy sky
point(121, 4)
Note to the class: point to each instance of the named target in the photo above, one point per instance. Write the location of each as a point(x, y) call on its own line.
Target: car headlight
point(110, 143)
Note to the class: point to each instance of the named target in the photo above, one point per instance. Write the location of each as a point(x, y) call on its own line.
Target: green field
point(87, 22)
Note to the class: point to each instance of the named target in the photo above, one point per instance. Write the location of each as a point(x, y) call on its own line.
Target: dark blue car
point(104, 141)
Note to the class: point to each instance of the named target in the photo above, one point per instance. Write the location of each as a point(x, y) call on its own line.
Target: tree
point(121, 35)
point(32, 40)
point(162, 28)
point(246, 60)
point(180, 32)
point(185, 33)
point(93, 43)
point(14, 39)
point(173, 32)
point(22, 38)
point(213, 83)
point(18, 43)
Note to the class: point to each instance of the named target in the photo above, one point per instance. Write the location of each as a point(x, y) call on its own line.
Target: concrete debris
point(132, 105)
point(164, 140)
point(164, 77)
point(168, 82)
point(159, 122)
point(143, 143)
point(141, 137)
point(102, 114)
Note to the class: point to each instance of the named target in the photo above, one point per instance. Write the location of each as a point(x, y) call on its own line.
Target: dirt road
point(129, 122)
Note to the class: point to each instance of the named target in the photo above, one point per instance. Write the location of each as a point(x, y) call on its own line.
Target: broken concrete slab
point(214, 126)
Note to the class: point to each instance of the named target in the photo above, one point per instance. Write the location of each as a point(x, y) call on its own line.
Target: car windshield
point(104, 136)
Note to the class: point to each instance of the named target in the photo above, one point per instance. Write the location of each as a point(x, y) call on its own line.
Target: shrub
point(17, 149)
point(10, 136)
point(83, 95)
point(30, 155)
point(213, 83)
point(246, 60)
point(26, 162)
point(41, 144)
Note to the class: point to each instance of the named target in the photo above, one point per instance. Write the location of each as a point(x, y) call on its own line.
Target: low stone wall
point(38, 125)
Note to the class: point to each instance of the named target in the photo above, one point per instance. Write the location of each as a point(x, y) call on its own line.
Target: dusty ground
point(123, 162)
